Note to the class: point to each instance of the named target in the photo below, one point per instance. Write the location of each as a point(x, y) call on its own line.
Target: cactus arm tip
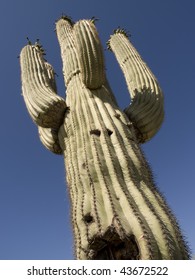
point(119, 30)
point(65, 18)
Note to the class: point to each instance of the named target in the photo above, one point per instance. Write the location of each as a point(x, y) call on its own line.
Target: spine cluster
point(117, 211)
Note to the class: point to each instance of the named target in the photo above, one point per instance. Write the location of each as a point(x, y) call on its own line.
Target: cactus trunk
point(117, 211)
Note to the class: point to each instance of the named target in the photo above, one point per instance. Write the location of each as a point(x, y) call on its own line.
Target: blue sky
point(34, 206)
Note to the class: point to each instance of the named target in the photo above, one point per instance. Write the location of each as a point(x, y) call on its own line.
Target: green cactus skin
point(117, 211)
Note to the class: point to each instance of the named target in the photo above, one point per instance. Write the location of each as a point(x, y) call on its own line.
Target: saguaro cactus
point(117, 211)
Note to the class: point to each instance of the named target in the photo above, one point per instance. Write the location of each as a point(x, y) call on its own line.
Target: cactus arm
point(68, 50)
point(44, 106)
point(49, 138)
point(146, 109)
point(90, 54)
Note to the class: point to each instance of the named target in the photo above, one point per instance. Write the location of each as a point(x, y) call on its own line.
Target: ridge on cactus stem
point(117, 211)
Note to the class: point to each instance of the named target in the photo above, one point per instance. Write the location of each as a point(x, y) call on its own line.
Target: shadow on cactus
point(117, 211)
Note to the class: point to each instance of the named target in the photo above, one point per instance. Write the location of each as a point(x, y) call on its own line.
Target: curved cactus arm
point(146, 109)
point(49, 138)
point(90, 54)
point(38, 88)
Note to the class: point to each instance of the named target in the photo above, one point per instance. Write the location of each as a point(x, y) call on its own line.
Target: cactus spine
point(117, 212)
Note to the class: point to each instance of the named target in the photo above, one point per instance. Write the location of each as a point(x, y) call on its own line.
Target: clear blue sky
point(34, 207)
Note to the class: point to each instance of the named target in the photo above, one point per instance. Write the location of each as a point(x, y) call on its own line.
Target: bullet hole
point(95, 132)
point(117, 116)
point(109, 132)
point(83, 165)
point(88, 218)
point(126, 250)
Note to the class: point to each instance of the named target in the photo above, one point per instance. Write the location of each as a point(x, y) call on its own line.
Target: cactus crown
point(118, 30)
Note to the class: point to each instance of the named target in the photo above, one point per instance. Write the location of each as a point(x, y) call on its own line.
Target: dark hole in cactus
point(112, 247)
point(67, 111)
point(109, 132)
point(117, 116)
point(95, 132)
point(119, 250)
point(88, 218)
